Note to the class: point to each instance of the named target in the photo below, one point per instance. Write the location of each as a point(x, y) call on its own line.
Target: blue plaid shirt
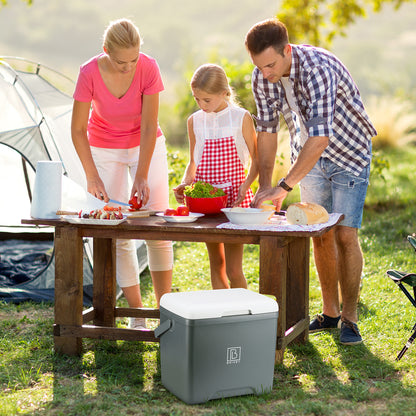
point(329, 103)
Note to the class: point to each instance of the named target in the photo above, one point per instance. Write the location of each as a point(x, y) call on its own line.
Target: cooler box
point(217, 343)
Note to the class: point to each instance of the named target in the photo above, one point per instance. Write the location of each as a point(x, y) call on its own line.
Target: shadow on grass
point(325, 373)
point(111, 372)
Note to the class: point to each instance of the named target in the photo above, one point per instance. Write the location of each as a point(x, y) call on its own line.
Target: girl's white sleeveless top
point(225, 123)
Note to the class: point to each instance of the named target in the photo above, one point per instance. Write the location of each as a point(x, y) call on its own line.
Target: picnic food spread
point(306, 213)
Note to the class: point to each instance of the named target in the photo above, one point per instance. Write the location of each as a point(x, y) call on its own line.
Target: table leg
point(104, 281)
point(272, 278)
point(284, 274)
point(68, 287)
point(297, 308)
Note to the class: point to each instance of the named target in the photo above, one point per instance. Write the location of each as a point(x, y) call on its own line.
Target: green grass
point(321, 377)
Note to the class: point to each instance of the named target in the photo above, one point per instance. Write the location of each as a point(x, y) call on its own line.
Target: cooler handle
point(162, 328)
point(237, 312)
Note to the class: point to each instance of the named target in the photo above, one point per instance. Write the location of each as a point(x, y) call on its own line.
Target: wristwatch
point(284, 185)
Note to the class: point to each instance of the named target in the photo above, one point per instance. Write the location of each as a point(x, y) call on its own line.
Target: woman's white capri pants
point(117, 168)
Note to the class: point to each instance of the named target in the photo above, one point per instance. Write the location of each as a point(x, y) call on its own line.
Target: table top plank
point(203, 229)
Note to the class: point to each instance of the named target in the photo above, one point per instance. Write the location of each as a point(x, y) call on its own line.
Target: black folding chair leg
point(407, 346)
point(408, 295)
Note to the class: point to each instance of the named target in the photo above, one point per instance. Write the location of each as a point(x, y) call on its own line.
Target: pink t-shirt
point(115, 122)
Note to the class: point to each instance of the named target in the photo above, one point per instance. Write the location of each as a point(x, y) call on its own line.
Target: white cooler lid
point(205, 304)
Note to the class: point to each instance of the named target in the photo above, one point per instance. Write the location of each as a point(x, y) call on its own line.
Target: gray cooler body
point(216, 344)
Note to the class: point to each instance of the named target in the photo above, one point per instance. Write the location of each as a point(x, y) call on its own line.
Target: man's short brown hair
point(265, 34)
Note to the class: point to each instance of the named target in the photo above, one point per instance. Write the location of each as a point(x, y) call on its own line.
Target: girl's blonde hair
point(121, 34)
point(212, 79)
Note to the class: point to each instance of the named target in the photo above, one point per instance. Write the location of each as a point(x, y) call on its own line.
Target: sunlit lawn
point(321, 377)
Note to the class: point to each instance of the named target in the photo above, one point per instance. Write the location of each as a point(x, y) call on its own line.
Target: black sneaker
point(322, 322)
point(350, 335)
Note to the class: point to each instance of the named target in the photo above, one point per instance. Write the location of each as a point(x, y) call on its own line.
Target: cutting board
point(141, 213)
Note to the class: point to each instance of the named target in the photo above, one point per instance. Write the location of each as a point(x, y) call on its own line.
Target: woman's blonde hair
point(121, 34)
point(212, 79)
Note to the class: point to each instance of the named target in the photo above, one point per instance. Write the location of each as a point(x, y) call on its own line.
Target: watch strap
point(284, 185)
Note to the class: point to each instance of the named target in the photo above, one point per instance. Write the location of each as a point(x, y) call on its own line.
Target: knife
point(119, 202)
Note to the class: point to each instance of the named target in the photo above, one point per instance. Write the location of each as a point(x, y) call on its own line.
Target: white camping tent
point(35, 118)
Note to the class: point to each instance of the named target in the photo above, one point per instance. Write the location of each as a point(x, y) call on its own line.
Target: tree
point(319, 21)
point(308, 21)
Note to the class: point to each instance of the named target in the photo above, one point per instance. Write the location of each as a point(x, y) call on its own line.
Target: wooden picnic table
point(283, 273)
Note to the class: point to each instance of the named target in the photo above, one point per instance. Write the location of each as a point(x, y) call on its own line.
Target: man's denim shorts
point(337, 190)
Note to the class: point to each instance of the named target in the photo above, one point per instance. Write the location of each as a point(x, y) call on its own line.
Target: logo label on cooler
point(233, 355)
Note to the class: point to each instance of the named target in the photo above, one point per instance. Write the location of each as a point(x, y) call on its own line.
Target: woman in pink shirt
point(117, 137)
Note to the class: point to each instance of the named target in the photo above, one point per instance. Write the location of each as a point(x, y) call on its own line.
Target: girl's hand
point(141, 189)
point(178, 192)
point(242, 190)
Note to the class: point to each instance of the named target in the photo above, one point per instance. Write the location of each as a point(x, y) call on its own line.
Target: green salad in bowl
point(203, 190)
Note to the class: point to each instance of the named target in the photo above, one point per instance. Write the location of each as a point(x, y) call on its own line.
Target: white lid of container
point(205, 304)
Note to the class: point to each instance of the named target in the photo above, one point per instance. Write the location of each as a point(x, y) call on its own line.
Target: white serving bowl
point(247, 216)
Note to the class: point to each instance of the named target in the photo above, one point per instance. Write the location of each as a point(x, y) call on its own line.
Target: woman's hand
point(95, 187)
point(141, 189)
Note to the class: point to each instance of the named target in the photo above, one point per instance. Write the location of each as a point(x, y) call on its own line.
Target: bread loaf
point(305, 213)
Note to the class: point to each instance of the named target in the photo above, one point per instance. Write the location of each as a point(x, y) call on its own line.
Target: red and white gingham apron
point(221, 166)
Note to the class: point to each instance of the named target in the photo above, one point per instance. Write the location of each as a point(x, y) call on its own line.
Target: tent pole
point(29, 191)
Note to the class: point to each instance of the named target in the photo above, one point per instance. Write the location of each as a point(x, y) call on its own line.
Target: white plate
point(92, 221)
point(193, 216)
point(247, 216)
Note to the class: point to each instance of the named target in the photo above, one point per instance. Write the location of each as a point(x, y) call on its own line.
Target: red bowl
point(206, 205)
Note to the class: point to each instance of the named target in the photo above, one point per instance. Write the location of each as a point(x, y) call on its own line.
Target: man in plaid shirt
point(330, 136)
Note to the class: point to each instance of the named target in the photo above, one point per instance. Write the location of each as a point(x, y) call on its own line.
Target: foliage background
point(378, 48)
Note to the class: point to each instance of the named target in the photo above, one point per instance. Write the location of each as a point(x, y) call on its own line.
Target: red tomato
point(182, 210)
point(171, 212)
point(135, 204)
